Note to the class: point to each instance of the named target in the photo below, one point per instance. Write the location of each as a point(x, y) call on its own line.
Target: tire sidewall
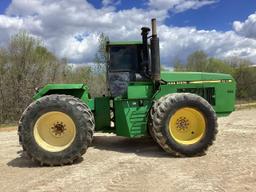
point(46, 105)
point(209, 129)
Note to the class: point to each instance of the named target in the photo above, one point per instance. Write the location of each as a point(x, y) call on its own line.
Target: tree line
point(243, 71)
point(25, 63)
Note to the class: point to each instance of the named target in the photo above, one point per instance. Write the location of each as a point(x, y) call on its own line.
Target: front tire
point(56, 129)
point(184, 124)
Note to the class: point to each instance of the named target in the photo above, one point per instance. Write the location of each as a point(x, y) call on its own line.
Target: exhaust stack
point(155, 53)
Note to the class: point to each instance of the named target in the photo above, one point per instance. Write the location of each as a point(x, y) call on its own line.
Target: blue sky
point(3, 5)
point(218, 16)
point(221, 28)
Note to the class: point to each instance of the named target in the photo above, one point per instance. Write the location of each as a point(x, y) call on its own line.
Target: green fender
point(80, 91)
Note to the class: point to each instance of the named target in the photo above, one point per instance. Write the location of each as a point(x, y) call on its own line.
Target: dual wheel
point(183, 124)
point(56, 129)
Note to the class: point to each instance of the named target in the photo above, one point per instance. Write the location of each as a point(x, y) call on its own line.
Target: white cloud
point(246, 28)
point(180, 42)
point(107, 2)
point(58, 22)
point(10, 22)
point(110, 2)
point(70, 28)
point(179, 5)
point(11, 25)
point(78, 51)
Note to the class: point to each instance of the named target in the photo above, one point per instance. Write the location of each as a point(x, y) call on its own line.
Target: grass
point(238, 102)
point(4, 126)
point(245, 106)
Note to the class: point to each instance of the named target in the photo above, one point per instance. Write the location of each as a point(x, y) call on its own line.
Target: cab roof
point(125, 43)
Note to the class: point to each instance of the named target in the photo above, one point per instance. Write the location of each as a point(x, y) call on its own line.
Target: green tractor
point(177, 109)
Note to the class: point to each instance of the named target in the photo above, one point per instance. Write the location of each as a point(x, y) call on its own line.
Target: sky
point(70, 28)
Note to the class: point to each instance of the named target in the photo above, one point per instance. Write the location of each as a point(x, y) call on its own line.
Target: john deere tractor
point(177, 109)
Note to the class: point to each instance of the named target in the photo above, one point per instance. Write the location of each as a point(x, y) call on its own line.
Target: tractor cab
point(124, 65)
point(131, 61)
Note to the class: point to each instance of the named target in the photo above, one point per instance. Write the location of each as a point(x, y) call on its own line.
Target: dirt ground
point(120, 164)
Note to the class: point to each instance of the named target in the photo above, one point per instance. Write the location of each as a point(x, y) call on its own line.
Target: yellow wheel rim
point(187, 126)
point(54, 131)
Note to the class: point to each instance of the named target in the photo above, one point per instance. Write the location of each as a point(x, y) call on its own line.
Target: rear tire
point(56, 129)
point(151, 116)
point(184, 124)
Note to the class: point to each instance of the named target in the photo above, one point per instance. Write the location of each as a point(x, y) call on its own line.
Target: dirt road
point(119, 164)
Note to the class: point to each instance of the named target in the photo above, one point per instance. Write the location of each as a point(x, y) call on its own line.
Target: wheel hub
point(58, 129)
point(187, 126)
point(182, 124)
point(54, 131)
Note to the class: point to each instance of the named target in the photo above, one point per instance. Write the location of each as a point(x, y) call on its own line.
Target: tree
point(24, 65)
point(218, 66)
point(197, 61)
point(245, 76)
point(78, 74)
point(99, 84)
point(101, 56)
point(240, 69)
point(178, 66)
point(2, 74)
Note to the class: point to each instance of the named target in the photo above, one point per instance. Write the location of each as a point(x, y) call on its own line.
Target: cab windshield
point(124, 58)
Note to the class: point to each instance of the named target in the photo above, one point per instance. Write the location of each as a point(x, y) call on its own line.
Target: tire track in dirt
point(119, 164)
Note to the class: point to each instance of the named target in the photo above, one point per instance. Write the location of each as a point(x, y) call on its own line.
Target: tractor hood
point(194, 76)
